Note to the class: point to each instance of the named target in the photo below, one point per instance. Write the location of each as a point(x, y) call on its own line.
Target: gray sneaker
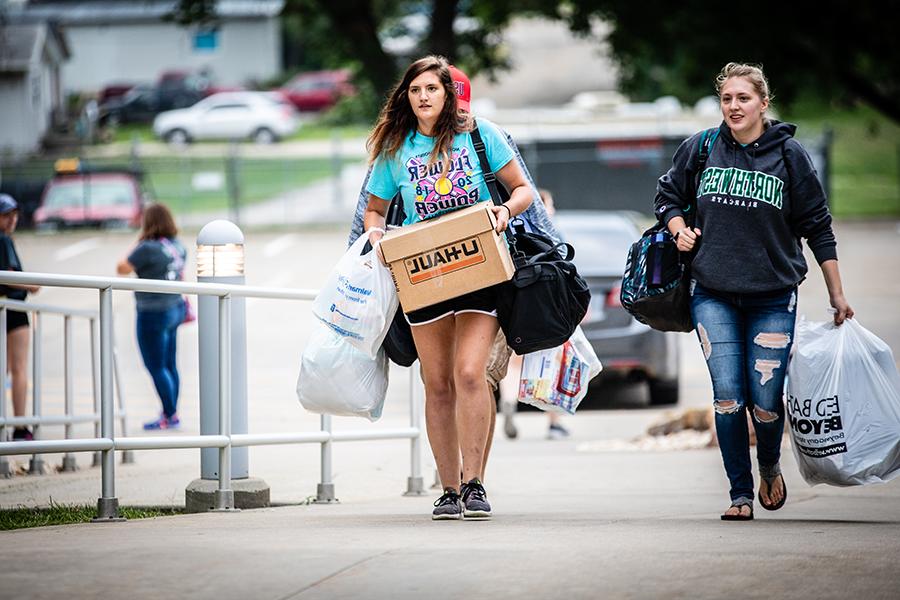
point(474, 498)
point(447, 507)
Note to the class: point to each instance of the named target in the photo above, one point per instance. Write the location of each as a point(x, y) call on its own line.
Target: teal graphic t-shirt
point(426, 194)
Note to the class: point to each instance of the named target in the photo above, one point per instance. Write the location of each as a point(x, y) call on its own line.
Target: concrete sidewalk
point(569, 521)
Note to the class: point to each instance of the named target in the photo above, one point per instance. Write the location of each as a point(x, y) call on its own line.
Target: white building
point(31, 97)
point(116, 41)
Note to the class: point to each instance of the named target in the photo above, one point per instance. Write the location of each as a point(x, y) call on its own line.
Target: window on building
point(206, 40)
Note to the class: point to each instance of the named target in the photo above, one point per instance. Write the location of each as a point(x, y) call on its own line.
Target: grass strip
point(22, 517)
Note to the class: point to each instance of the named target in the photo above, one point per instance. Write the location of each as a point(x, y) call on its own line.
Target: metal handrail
point(38, 419)
point(107, 443)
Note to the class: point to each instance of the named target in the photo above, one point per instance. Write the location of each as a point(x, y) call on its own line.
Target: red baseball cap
point(463, 88)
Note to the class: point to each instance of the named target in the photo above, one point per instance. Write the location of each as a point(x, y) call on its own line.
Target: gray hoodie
point(754, 203)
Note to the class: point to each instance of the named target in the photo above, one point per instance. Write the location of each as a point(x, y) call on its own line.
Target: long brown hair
point(397, 119)
point(157, 223)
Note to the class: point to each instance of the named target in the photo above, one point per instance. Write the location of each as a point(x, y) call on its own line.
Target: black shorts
point(15, 319)
point(480, 301)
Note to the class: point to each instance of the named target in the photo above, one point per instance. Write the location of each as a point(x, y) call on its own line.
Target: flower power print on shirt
point(430, 189)
point(437, 193)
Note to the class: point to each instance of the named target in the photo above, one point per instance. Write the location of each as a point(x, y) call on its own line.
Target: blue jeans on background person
point(157, 336)
point(746, 340)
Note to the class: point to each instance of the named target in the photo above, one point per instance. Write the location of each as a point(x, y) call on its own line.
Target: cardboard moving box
point(446, 257)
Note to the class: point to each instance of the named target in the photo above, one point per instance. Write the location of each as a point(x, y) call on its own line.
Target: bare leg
point(17, 344)
point(490, 438)
point(435, 344)
point(509, 391)
point(475, 334)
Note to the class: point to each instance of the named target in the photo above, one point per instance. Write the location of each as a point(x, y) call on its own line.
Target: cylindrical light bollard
point(220, 259)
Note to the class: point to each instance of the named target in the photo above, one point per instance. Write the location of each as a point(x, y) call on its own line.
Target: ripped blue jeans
point(746, 340)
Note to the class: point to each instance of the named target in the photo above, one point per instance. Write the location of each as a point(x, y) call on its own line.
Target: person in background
point(159, 255)
point(756, 197)
point(509, 386)
point(420, 125)
point(17, 325)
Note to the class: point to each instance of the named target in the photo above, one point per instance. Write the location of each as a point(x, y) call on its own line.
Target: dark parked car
point(173, 90)
point(625, 346)
point(110, 197)
point(138, 105)
point(318, 90)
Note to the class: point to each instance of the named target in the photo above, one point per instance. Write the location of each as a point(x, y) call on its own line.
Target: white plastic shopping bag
point(337, 379)
point(843, 405)
point(557, 379)
point(359, 299)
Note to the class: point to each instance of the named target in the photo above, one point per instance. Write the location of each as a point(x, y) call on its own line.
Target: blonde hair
point(397, 119)
point(752, 73)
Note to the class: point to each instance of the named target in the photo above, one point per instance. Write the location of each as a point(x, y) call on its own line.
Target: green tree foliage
point(832, 49)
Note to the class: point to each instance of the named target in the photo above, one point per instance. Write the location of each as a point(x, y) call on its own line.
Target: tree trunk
point(354, 21)
point(442, 37)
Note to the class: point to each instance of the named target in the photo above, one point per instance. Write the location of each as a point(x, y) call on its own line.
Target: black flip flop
point(769, 481)
point(739, 516)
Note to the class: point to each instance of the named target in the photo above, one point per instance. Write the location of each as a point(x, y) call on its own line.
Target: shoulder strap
point(706, 141)
point(498, 193)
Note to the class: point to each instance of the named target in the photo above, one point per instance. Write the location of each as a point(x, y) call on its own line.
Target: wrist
point(508, 211)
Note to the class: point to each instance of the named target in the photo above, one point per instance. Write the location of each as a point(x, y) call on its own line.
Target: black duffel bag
point(546, 299)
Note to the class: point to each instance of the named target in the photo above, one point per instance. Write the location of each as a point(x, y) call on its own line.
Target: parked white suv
point(261, 116)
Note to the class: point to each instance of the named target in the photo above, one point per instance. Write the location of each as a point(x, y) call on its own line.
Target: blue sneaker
point(163, 422)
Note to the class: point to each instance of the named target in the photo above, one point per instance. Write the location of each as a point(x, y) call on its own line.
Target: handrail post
point(107, 504)
point(69, 463)
point(325, 488)
point(36, 466)
point(225, 495)
point(127, 455)
point(5, 466)
point(415, 484)
point(95, 384)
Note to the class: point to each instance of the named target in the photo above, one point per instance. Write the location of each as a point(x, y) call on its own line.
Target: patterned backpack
point(657, 275)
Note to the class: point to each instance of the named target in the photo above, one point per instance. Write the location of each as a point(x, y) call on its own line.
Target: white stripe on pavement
point(280, 244)
point(73, 250)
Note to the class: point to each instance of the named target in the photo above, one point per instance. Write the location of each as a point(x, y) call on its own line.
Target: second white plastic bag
point(337, 379)
point(843, 405)
point(358, 301)
point(557, 379)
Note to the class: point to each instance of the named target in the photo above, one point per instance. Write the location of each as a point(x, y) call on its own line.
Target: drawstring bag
point(843, 405)
point(177, 268)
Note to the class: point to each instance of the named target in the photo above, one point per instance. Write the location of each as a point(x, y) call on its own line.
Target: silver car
point(264, 117)
point(625, 346)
